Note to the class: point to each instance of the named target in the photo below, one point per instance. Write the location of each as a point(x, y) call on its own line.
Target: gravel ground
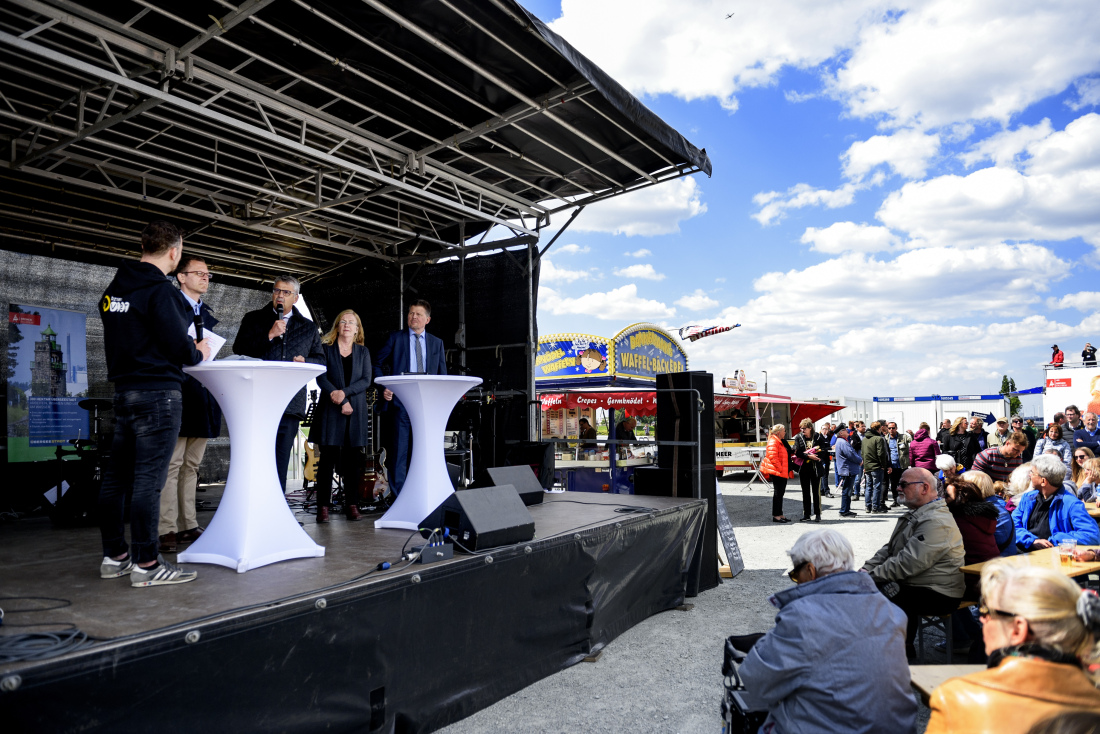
point(664, 675)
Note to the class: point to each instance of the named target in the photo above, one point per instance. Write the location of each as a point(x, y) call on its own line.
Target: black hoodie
point(145, 330)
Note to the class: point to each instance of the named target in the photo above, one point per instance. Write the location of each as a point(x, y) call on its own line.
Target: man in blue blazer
point(410, 350)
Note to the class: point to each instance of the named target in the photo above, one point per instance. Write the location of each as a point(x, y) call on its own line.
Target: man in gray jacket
point(919, 567)
point(876, 465)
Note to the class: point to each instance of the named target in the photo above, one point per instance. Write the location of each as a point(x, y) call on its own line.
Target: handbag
point(736, 717)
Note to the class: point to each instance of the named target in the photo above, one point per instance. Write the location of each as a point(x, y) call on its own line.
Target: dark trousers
point(147, 423)
point(343, 459)
point(402, 448)
point(779, 486)
point(895, 479)
point(284, 442)
point(917, 602)
point(811, 491)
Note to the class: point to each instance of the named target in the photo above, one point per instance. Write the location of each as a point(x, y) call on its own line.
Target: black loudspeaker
point(676, 419)
point(653, 481)
point(485, 517)
point(538, 456)
point(520, 477)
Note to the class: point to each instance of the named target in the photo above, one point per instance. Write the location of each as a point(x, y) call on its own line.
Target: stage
point(314, 644)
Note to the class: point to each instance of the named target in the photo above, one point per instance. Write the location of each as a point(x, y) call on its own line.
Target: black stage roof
point(301, 135)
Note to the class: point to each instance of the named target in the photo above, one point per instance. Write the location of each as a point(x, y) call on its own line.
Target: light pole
point(765, 380)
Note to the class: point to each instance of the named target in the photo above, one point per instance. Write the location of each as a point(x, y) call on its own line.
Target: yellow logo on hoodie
point(114, 305)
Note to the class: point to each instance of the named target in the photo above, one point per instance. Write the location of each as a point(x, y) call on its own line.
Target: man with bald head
point(919, 567)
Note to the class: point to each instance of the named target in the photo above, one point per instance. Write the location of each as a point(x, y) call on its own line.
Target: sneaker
point(881, 511)
point(868, 511)
point(112, 569)
point(160, 574)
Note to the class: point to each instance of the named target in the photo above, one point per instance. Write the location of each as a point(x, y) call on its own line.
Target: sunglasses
point(904, 484)
point(984, 611)
point(1080, 457)
point(793, 573)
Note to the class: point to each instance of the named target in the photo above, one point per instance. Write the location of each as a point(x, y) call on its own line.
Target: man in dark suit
point(280, 333)
point(409, 350)
point(202, 420)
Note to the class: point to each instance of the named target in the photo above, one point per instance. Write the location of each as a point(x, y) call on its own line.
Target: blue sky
point(905, 200)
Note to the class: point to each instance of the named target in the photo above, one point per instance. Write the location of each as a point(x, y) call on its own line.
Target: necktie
point(419, 354)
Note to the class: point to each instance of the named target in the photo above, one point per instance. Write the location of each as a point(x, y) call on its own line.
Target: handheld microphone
point(279, 311)
point(198, 328)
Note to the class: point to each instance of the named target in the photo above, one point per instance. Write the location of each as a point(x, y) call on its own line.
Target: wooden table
point(1046, 557)
point(1094, 512)
point(925, 678)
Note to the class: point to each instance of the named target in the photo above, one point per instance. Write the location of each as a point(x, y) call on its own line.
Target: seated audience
point(918, 568)
point(1054, 440)
point(995, 493)
point(1040, 631)
point(810, 673)
point(999, 461)
point(1048, 513)
point(1081, 454)
point(977, 523)
point(1090, 477)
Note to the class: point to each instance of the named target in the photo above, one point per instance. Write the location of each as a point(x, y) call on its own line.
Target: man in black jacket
point(202, 420)
point(280, 333)
point(146, 343)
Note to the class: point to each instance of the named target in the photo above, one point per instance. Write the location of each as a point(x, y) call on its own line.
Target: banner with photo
point(47, 378)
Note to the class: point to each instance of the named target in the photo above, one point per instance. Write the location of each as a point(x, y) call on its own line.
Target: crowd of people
point(164, 417)
point(969, 497)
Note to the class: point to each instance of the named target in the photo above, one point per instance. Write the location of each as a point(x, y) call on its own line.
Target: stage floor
point(591, 572)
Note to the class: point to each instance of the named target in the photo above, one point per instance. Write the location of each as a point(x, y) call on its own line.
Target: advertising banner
point(47, 377)
point(1078, 386)
point(642, 351)
point(569, 356)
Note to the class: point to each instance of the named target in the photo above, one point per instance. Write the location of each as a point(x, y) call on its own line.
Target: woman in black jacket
point(810, 447)
point(340, 423)
point(958, 441)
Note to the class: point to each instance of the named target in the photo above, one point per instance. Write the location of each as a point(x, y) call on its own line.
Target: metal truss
point(278, 154)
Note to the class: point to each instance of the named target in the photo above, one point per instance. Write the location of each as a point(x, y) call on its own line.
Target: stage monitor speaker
point(538, 456)
point(522, 478)
point(485, 517)
point(676, 419)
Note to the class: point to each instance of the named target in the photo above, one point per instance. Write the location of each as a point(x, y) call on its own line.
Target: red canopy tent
point(635, 402)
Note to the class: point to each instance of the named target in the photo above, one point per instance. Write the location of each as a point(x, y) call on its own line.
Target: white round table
point(253, 526)
point(428, 399)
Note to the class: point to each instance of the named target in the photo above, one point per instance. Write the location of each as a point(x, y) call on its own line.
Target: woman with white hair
point(1040, 631)
point(812, 674)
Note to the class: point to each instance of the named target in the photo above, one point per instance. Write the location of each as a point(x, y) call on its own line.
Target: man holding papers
point(202, 418)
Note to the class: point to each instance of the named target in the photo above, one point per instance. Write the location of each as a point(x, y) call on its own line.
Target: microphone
point(279, 311)
point(198, 328)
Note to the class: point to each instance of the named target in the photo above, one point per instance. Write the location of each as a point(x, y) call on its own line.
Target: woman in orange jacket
point(776, 468)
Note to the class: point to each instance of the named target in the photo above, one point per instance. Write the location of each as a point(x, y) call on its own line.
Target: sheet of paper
point(216, 342)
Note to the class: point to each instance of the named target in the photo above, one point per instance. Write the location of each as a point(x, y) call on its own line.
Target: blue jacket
point(848, 459)
point(1068, 519)
point(809, 673)
point(393, 358)
point(1005, 534)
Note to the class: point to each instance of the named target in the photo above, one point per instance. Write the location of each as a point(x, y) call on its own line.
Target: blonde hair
point(805, 423)
point(981, 480)
point(1047, 599)
point(330, 337)
point(1092, 469)
point(960, 421)
point(1077, 468)
point(776, 428)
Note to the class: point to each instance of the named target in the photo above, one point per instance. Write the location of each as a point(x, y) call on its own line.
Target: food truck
point(742, 420)
point(579, 374)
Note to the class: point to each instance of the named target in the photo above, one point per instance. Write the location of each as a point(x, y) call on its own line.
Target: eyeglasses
point(984, 611)
point(793, 573)
point(199, 274)
point(904, 484)
point(281, 292)
point(346, 323)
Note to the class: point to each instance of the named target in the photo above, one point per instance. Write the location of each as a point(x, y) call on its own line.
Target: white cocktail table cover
point(253, 526)
point(428, 399)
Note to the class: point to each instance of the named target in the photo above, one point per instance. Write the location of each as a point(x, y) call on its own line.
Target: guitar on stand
point(373, 481)
point(313, 451)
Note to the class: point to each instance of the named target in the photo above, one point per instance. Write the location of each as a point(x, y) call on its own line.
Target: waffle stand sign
point(642, 351)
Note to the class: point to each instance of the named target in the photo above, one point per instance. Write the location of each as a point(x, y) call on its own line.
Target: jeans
point(846, 485)
point(917, 602)
point(147, 423)
point(284, 442)
point(858, 479)
point(875, 490)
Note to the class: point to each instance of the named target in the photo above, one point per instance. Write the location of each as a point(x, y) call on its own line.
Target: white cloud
point(945, 61)
point(906, 152)
point(1002, 148)
point(1083, 301)
point(639, 253)
point(1077, 148)
point(688, 49)
point(697, 301)
point(617, 304)
point(774, 205)
point(647, 212)
point(644, 271)
point(572, 249)
point(551, 273)
point(849, 237)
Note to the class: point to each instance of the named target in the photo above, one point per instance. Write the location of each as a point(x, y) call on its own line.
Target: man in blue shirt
point(410, 350)
point(1089, 436)
point(848, 462)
